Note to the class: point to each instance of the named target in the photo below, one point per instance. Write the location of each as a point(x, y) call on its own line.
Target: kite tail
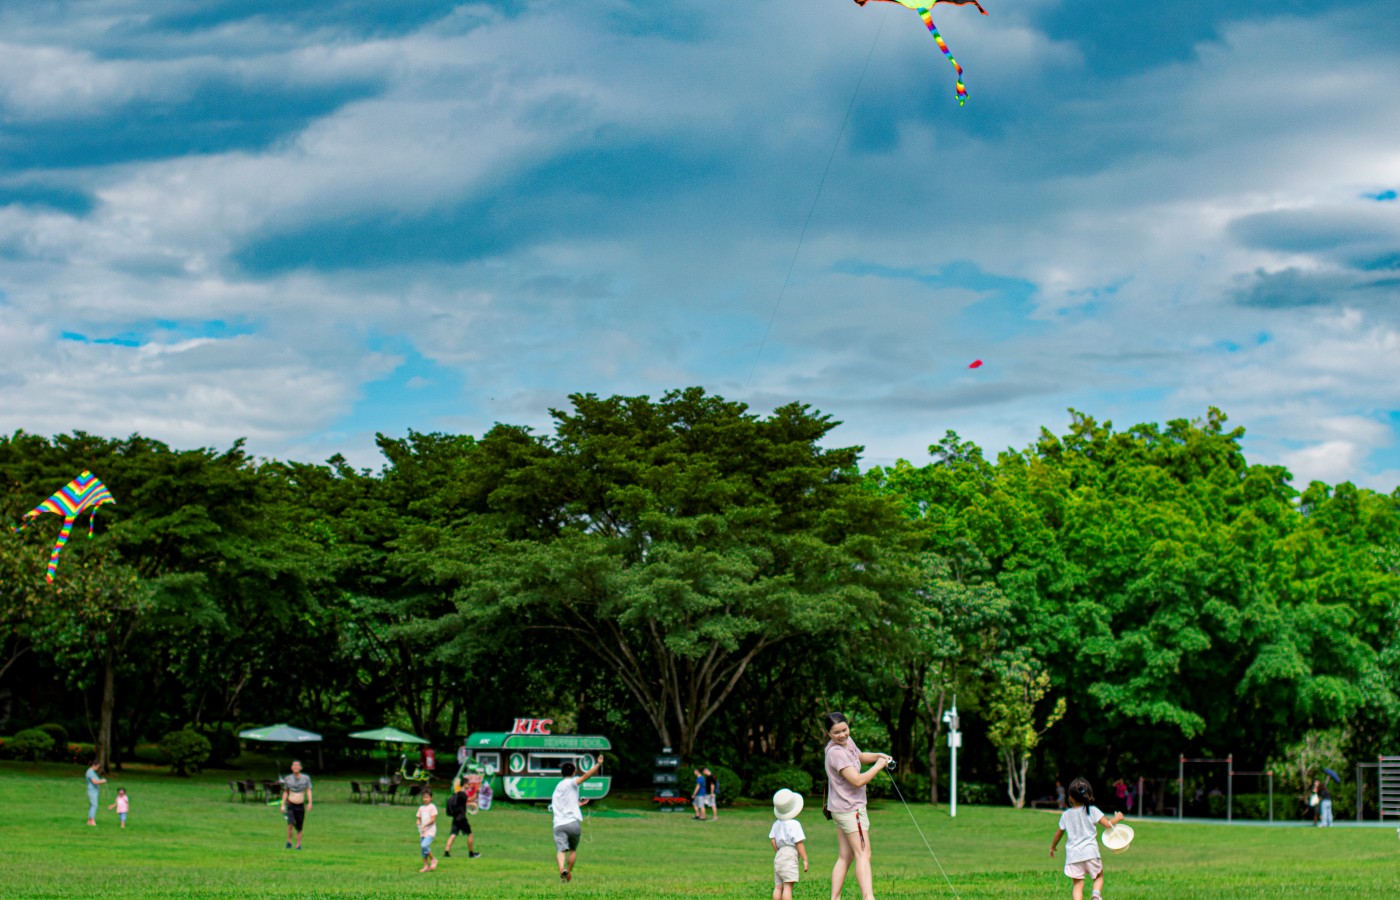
point(942, 45)
point(63, 533)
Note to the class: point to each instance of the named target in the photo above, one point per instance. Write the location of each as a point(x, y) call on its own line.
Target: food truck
point(523, 763)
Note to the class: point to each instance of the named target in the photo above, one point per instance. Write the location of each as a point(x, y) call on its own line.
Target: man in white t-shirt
point(568, 815)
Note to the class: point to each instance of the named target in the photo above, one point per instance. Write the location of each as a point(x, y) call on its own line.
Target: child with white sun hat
point(789, 843)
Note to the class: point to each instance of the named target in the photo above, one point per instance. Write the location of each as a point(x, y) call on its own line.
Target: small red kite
point(976, 364)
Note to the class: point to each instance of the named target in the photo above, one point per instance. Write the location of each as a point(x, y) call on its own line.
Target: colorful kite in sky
point(86, 492)
point(975, 364)
point(923, 7)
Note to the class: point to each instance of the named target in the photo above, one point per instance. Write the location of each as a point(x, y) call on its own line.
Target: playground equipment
point(1228, 762)
point(1389, 787)
point(523, 764)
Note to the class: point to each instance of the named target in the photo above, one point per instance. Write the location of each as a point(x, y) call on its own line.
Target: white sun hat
point(1118, 837)
point(786, 805)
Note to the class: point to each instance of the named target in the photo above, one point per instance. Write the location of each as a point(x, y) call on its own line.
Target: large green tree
point(692, 539)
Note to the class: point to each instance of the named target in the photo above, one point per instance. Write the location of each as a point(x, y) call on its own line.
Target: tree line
point(683, 572)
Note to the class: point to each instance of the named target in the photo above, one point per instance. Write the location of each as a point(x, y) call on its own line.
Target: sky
point(307, 223)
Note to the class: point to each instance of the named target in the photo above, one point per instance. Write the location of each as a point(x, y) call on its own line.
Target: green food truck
point(524, 764)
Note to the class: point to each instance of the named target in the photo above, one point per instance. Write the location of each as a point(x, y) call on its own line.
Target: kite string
point(900, 794)
point(787, 279)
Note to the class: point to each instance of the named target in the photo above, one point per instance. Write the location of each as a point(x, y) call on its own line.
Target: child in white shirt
point(789, 842)
point(1082, 858)
point(427, 830)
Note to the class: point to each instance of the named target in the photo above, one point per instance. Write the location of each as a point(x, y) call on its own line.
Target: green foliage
point(185, 750)
point(60, 739)
point(31, 744)
point(224, 745)
point(774, 780)
point(982, 794)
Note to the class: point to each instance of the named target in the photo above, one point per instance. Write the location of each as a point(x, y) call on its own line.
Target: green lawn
point(184, 839)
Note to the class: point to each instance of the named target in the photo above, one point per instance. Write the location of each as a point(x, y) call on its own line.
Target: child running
point(788, 843)
point(1082, 849)
point(121, 806)
point(427, 830)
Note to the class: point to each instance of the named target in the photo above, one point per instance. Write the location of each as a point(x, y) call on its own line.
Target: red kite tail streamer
point(942, 45)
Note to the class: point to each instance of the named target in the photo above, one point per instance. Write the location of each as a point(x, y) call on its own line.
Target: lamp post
point(954, 742)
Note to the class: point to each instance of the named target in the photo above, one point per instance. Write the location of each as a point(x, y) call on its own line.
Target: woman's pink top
point(843, 796)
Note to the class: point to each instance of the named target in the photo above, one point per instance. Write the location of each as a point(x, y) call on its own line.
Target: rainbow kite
point(86, 492)
point(923, 8)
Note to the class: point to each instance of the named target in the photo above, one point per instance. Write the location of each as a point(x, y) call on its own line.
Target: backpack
point(457, 805)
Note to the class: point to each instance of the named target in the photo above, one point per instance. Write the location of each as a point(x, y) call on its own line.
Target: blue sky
point(307, 223)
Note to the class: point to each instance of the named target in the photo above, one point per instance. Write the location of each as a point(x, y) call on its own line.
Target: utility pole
point(954, 742)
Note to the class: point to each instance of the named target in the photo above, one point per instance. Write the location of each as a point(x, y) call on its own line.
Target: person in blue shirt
point(697, 796)
point(92, 779)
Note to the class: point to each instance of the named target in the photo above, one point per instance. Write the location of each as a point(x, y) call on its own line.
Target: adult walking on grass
point(568, 816)
point(296, 802)
point(845, 800)
point(456, 809)
point(91, 779)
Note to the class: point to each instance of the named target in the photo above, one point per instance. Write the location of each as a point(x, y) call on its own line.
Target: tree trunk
point(936, 718)
point(109, 702)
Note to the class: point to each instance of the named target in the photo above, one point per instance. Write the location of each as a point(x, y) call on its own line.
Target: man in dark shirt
point(712, 793)
point(457, 812)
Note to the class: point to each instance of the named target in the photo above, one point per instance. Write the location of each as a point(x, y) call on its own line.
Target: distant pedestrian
point(91, 778)
point(296, 802)
point(1082, 860)
point(568, 815)
point(427, 829)
point(846, 800)
point(1059, 794)
point(456, 809)
point(789, 842)
point(121, 805)
point(697, 796)
point(711, 792)
point(1324, 804)
point(1120, 793)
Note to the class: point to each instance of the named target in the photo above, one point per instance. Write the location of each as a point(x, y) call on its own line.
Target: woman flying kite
point(923, 7)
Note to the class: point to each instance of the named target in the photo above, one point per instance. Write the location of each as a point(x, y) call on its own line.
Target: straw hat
point(1118, 837)
point(786, 805)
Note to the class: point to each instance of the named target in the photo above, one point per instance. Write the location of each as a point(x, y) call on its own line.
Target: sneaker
point(289, 845)
point(298, 846)
point(473, 855)
point(563, 875)
point(446, 854)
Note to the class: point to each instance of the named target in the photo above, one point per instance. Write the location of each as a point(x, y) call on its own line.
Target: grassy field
point(184, 839)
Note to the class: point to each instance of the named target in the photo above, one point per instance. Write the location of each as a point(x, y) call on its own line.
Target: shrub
point(185, 749)
point(976, 793)
point(31, 744)
point(60, 738)
point(731, 786)
point(790, 777)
